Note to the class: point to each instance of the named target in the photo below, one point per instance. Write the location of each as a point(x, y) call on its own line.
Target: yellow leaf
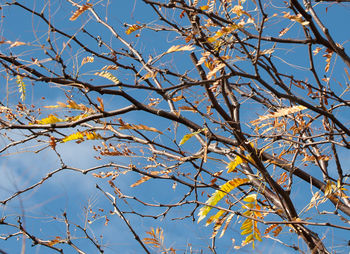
point(219, 194)
point(180, 48)
point(215, 217)
point(188, 136)
point(132, 29)
point(224, 31)
point(204, 7)
point(92, 135)
point(80, 136)
point(51, 119)
point(248, 239)
point(21, 87)
point(149, 75)
point(257, 236)
point(74, 136)
point(247, 231)
point(250, 198)
point(233, 164)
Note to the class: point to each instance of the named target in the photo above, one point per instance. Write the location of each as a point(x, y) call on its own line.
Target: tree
point(231, 112)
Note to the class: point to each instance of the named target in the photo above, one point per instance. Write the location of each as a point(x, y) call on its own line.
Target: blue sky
point(71, 192)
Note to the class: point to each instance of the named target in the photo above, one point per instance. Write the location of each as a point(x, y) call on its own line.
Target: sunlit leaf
point(279, 113)
point(215, 217)
point(21, 87)
point(188, 136)
point(139, 127)
point(250, 198)
point(88, 59)
point(80, 136)
point(132, 29)
point(180, 48)
point(80, 11)
point(51, 119)
point(219, 194)
point(109, 76)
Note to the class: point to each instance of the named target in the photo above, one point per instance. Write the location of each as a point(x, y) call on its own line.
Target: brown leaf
point(80, 11)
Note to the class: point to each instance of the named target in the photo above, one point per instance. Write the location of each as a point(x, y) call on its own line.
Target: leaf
point(228, 220)
point(238, 10)
point(54, 241)
point(180, 48)
point(101, 107)
point(92, 135)
point(109, 76)
point(250, 198)
point(88, 59)
point(233, 164)
point(21, 87)
point(224, 31)
point(110, 67)
point(156, 238)
point(149, 75)
point(70, 104)
point(187, 108)
point(188, 136)
point(215, 70)
point(51, 119)
point(277, 231)
point(215, 217)
point(80, 11)
point(132, 29)
point(17, 43)
point(269, 228)
point(139, 127)
point(297, 18)
point(237, 161)
point(74, 136)
point(142, 180)
point(80, 136)
point(283, 31)
point(279, 113)
point(219, 194)
point(328, 56)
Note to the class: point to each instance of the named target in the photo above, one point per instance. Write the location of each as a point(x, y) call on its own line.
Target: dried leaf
point(180, 48)
point(109, 76)
point(215, 70)
point(279, 113)
point(139, 127)
point(297, 18)
point(142, 180)
point(88, 59)
point(17, 43)
point(80, 11)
